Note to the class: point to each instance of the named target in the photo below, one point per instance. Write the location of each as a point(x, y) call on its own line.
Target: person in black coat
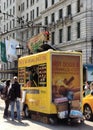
point(15, 96)
point(7, 101)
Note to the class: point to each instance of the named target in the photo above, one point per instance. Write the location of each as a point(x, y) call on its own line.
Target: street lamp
point(19, 50)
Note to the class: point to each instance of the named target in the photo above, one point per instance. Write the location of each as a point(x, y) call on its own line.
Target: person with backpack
point(15, 97)
point(6, 99)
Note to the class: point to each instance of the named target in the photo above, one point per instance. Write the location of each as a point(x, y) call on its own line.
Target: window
point(13, 10)
point(7, 27)
point(46, 20)
point(18, 8)
point(4, 28)
point(37, 11)
point(60, 13)
point(69, 33)
point(27, 17)
point(68, 9)
point(14, 35)
point(53, 17)
point(31, 2)
point(46, 4)
point(13, 23)
point(53, 38)
point(4, 5)
point(33, 13)
point(7, 3)
point(78, 6)
point(78, 30)
point(27, 3)
point(53, 1)
point(22, 7)
point(60, 35)
point(10, 25)
point(10, 2)
point(10, 11)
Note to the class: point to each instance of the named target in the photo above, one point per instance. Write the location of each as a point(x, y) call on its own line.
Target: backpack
point(12, 94)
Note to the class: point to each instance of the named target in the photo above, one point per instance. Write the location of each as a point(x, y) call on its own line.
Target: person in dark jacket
point(15, 97)
point(5, 92)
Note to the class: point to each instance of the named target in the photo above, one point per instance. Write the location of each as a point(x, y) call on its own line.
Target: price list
point(42, 75)
point(21, 74)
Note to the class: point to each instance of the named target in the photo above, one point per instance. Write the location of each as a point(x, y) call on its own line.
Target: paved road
point(33, 125)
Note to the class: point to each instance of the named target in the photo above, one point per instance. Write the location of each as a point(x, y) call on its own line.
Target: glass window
point(13, 10)
point(69, 33)
point(53, 17)
point(33, 14)
point(78, 5)
point(46, 20)
point(60, 35)
point(46, 4)
point(37, 11)
point(68, 9)
point(27, 3)
point(36, 75)
point(60, 13)
point(27, 17)
point(53, 1)
point(78, 30)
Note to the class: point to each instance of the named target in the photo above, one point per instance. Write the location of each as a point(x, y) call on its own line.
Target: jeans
point(6, 108)
point(17, 109)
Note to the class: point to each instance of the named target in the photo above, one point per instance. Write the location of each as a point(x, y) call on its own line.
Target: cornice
point(53, 6)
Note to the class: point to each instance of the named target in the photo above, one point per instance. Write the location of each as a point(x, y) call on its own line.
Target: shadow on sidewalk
point(16, 123)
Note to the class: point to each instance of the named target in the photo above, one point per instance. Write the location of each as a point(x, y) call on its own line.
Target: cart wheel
point(88, 112)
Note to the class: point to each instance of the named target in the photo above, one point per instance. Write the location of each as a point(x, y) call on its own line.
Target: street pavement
point(7, 124)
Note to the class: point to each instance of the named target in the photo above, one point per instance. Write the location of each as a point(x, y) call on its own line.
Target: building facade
point(68, 21)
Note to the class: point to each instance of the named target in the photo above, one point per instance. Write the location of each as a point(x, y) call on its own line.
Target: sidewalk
point(7, 124)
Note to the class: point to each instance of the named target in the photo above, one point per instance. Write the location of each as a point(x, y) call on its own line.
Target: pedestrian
point(91, 87)
point(6, 100)
point(86, 89)
point(86, 85)
point(15, 97)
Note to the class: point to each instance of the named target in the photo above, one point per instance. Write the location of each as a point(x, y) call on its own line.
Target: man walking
point(15, 96)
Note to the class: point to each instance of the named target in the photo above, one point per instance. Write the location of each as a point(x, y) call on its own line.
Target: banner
point(35, 42)
point(3, 52)
point(11, 49)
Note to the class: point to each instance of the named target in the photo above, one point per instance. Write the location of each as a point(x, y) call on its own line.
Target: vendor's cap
point(15, 77)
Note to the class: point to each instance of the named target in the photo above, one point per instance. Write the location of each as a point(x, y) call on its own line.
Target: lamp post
point(19, 50)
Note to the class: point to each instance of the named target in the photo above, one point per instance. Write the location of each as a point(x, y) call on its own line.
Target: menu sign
point(21, 75)
point(42, 75)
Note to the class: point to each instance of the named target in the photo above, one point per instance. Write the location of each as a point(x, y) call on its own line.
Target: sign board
point(34, 43)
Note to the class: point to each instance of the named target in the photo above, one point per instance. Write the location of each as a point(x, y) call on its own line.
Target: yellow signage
point(35, 42)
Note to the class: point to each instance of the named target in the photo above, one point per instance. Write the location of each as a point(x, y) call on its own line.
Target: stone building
point(68, 21)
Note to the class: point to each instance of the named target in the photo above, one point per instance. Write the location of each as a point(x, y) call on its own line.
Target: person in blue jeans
point(15, 97)
point(17, 108)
